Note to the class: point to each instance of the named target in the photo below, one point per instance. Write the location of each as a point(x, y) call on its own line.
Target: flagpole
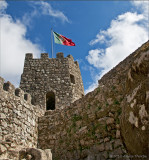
point(52, 42)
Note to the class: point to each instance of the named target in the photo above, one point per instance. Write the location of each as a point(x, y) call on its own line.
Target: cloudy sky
point(105, 33)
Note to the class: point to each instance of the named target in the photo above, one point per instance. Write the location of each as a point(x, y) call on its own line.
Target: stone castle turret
point(52, 82)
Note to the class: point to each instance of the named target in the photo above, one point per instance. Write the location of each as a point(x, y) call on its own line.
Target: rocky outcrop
point(35, 154)
point(135, 107)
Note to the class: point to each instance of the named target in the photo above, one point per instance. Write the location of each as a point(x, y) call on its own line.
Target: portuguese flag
point(58, 38)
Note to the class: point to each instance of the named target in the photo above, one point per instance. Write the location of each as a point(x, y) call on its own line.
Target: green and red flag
point(60, 39)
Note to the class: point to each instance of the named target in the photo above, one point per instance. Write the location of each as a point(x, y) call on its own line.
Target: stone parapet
point(18, 119)
point(44, 55)
point(60, 55)
point(29, 56)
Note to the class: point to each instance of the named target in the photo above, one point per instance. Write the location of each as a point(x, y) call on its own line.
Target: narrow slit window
point(72, 78)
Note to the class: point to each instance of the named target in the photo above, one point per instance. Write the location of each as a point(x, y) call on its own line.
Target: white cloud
point(46, 9)
point(142, 6)
point(125, 34)
point(3, 6)
point(43, 8)
point(28, 17)
point(92, 86)
point(99, 38)
point(13, 47)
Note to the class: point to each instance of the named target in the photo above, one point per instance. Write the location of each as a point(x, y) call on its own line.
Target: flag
point(62, 40)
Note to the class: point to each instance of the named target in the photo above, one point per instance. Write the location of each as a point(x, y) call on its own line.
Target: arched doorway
point(50, 101)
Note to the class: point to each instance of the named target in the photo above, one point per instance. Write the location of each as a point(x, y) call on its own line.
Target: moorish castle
point(50, 118)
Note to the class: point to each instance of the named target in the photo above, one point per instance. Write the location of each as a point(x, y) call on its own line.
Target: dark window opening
point(50, 101)
point(72, 78)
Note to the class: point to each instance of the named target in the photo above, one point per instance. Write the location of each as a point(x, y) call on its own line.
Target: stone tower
point(52, 82)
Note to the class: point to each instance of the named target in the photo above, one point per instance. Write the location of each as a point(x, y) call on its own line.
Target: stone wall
point(18, 121)
point(109, 123)
point(60, 75)
point(94, 127)
point(89, 129)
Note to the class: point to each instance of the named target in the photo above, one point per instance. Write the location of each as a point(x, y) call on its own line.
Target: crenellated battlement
point(44, 55)
point(70, 56)
point(8, 87)
point(19, 119)
point(29, 56)
point(59, 55)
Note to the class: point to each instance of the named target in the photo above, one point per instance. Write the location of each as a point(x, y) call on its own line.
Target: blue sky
point(105, 32)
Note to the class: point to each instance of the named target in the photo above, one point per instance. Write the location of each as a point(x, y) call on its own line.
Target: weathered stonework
point(18, 121)
point(60, 75)
point(135, 113)
point(98, 126)
point(109, 123)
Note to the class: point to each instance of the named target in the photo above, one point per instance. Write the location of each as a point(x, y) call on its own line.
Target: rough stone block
point(108, 146)
point(1, 82)
point(117, 143)
point(9, 87)
point(117, 133)
point(44, 55)
point(101, 147)
point(110, 121)
point(60, 55)
point(2, 148)
point(19, 93)
point(29, 56)
point(36, 154)
point(70, 56)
